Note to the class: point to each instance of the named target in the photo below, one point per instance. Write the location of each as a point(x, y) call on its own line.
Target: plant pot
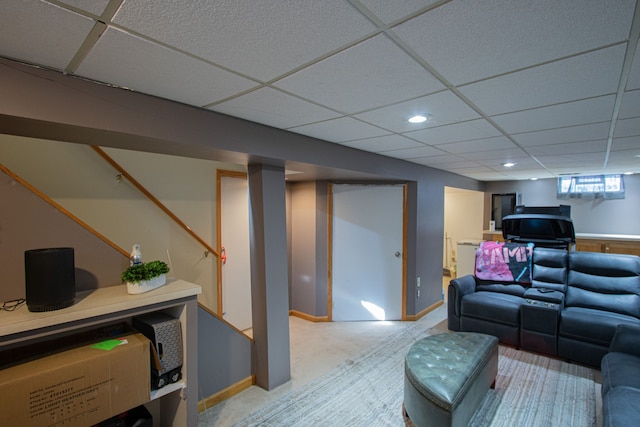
point(146, 285)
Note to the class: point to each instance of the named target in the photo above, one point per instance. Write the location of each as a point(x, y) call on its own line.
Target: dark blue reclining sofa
point(571, 309)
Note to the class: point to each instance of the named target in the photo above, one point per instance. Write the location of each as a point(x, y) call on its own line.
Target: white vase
point(146, 285)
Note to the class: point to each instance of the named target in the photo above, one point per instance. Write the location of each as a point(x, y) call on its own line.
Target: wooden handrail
point(157, 202)
point(62, 210)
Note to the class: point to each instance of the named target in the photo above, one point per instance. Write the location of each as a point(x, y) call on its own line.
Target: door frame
point(405, 222)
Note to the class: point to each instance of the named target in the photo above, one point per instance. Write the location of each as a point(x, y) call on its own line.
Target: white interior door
point(236, 271)
point(367, 244)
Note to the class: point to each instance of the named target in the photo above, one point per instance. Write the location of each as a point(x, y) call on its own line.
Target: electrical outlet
point(418, 283)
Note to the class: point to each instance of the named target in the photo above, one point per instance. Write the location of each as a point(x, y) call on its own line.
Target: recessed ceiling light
point(628, 173)
point(534, 179)
point(508, 164)
point(419, 118)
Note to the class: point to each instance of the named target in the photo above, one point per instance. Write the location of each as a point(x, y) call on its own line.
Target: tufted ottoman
point(447, 376)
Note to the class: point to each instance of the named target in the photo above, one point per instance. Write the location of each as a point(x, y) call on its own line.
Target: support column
point(269, 275)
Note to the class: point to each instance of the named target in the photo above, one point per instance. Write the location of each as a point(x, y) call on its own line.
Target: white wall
point(463, 217)
point(82, 182)
point(589, 216)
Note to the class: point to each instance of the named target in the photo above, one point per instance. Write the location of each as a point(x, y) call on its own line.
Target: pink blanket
point(504, 262)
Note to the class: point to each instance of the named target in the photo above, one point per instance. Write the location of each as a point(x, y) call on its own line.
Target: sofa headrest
point(550, 268)
point(605, 264)
point(608, 282)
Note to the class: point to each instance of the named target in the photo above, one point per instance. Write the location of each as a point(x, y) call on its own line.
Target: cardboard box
point(78, 387)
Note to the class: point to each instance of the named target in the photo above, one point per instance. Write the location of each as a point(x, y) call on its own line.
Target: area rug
point(531, 390)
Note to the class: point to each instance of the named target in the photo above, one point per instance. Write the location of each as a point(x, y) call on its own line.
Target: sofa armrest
point(626, 340)
point(458, 288)
point(465, 284)
point(545, 294)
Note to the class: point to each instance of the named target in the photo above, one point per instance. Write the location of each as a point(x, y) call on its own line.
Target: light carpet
point(531, 390)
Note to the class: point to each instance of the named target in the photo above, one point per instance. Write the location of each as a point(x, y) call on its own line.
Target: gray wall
point(309, 264)
point(589, 216)
point(224, 355)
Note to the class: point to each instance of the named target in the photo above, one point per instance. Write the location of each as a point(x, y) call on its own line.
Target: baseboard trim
point(228, 392)
point(424, 312)
point(308, 317)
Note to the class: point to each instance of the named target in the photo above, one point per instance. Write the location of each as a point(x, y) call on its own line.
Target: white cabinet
point(174, 405)
point(466, 257)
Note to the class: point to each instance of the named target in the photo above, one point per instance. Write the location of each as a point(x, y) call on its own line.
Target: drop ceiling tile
point(274, 108)
point(462, 147)
point(538, 173)
point(627, 127)
point(597, 146)
point(442, 160)
point(454, 38)
point(556, 116)
point(383, 143)
point(339, 130)
point(567, 134)
point(388, 11)
point(259, 39)
point(630, 106)
point(473, 129)
point(488, 176)
point(412, 153)
point(444, 108)
point(93, 6)
point(634, 74)
point(497, 156)
point(573, 160)
point(625, 161)
point(41, 33)
point(584, 76)
point(629, 143)
point(371, 74)
point(126, 60)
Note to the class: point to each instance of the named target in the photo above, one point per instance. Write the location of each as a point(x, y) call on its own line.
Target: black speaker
point(50, 277)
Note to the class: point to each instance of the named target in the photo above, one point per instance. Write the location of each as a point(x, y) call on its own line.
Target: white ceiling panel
point(623, 161)
point(556, 116)
point(634, 74)
point(390, 11)
point(340, 130)
point(496, 143)
point(629, 143)
point(630, 106)
point(495, 37)
point(41, 33)
point(538, 82)
point(149, 68)
point(274, 108)
point(93, 6)
point(598, 146)
point(443, 161)
point(383, 143)
point(588, 75)
point(627, 127)
point(262, 39)
point(493, 157)
point(469, 130)
point(561, 135)
point(414, 153)
point(443, 107)
point(369, 75)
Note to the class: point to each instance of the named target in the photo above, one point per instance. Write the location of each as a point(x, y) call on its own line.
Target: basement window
point(591, 187)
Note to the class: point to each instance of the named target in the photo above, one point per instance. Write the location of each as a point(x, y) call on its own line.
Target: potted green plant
point(145, 276)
